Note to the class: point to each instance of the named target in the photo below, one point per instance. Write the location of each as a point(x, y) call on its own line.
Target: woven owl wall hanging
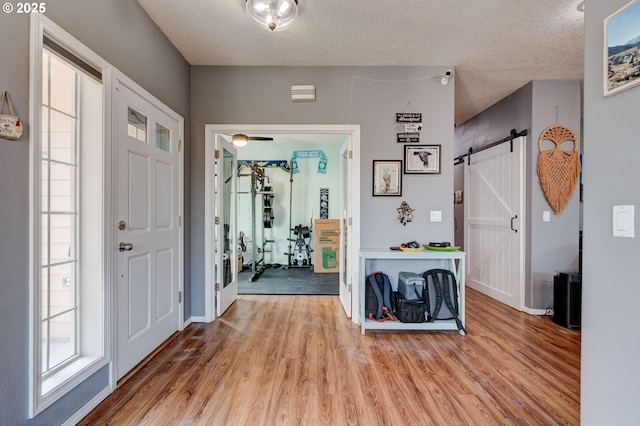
point(558, 169)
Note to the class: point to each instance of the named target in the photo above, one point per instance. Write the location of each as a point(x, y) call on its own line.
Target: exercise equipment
point(300, 255)
point(258, 187)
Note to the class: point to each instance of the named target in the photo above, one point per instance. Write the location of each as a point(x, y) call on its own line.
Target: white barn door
point(494, 225)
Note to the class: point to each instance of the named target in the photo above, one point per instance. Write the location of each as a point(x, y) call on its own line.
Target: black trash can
point(567, 299)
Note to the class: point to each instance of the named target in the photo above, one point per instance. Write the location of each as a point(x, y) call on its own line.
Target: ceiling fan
point(241, 140)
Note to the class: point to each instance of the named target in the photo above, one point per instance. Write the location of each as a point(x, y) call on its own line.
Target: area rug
point(278, 280)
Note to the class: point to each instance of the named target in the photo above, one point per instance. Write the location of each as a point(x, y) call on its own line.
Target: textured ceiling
point(496, 46)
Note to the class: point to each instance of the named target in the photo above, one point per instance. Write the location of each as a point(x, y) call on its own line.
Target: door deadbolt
point(125, 247)
point(121, 225)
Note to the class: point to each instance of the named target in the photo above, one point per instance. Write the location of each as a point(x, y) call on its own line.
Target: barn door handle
point(512, 219)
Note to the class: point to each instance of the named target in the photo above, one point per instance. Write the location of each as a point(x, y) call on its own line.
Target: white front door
point(148, 227)
point(345, 237)
point(225, 208)
point(494, 209)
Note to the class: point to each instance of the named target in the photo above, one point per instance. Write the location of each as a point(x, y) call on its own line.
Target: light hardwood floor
point(289, 360)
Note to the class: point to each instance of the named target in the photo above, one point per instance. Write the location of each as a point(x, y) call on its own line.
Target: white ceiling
point(496, 46)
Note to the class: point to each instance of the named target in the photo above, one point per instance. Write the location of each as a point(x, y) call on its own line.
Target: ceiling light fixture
point(239, 140)
point(274, 14)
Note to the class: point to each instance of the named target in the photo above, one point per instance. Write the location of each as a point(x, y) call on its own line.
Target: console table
point(391, 262)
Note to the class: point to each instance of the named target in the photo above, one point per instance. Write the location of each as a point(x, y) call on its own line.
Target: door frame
point(118, 78)
point(211, 130)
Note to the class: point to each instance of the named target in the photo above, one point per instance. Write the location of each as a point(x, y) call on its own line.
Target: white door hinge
point(350, 221)
point(350, 287)
point(180, 145)
point(350, 155)
point(217, 286)
point(179, 297)
point(179, 220)
point(217, 220)
point(217, 153)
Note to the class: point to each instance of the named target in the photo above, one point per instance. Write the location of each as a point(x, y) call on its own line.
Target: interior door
point(494, 209)
point(148, 229)
point(345, 240)
point(225, 225)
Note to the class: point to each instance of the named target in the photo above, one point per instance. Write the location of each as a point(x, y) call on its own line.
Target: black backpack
point(442, 296)
point(378, 298)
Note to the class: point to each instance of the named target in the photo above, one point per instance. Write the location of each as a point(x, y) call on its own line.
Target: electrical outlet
point(436, 216)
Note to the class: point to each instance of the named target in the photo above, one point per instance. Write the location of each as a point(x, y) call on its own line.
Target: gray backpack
point(441, 296)
point(378, 298)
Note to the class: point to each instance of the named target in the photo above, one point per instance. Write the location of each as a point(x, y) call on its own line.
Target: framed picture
point(622, 49)
point(387, 177)
point(422, 159)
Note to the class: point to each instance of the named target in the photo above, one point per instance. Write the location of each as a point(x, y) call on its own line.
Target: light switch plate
point(436, 216)
point(546, 216)
point(623, 221)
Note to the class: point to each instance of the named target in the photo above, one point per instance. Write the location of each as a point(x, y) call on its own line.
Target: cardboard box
point(326, 245)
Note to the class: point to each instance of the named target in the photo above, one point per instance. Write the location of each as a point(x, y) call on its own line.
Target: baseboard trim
point(88, 407)
point(532, 311)
point(198, 319)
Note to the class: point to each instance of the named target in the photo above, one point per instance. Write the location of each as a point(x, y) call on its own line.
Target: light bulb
point(239, 140)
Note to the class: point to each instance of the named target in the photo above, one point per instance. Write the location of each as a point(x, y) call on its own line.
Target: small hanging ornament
point(405, 213)
point(558, 169)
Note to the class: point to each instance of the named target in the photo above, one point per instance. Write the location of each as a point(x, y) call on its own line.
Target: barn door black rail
point(514, 134)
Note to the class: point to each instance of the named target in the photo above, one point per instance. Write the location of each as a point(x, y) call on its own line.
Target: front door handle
point(125, 247)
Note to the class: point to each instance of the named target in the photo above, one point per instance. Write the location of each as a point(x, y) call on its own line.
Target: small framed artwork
point(387, 177)
point(621, 45)
point(422, 159)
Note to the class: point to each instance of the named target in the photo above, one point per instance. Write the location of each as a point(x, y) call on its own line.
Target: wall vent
point(304, 93)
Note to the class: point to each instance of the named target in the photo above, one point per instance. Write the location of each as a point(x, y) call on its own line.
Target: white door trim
point(121, 79)
point(212, 129)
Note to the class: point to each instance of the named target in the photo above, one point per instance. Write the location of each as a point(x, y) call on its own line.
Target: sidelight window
point(68, 329)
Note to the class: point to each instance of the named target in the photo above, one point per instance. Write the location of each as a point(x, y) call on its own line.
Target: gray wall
point(496, 122)
point(261, 95)
point(553, 245)
point(125, 36)
point(610, 290)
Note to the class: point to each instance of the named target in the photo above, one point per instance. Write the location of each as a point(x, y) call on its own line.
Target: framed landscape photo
point(387, 177)
point(622, 49)
point(423, 159)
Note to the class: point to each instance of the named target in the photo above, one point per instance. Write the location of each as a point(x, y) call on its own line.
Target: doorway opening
point(292, 181)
